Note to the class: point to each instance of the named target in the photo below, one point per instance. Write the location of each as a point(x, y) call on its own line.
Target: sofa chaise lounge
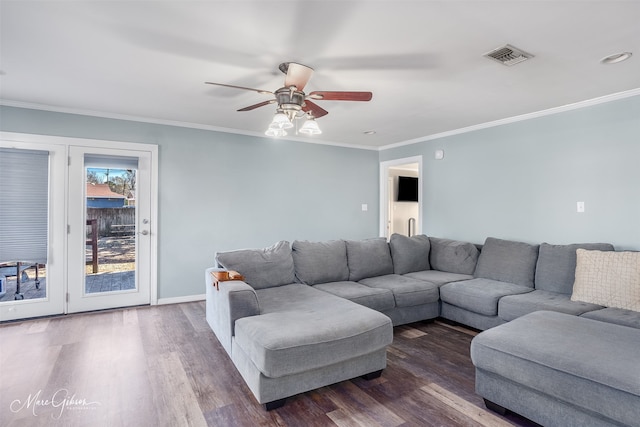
point(285, 337)
point(561, 370)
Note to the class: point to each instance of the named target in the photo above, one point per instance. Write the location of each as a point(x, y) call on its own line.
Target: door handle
point(143, 232)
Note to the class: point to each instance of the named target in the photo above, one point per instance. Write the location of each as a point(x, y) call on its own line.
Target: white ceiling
point(148, 60)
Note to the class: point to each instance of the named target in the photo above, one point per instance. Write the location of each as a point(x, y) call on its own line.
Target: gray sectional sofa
point(314, 313)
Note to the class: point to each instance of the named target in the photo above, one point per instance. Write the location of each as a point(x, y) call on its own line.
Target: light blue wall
point(519, 181)
point(522, 180)
point(220, 191)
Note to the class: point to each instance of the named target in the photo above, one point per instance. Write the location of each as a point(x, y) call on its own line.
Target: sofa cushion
point(303, 328)
point(618, 316)
point(368, 258)
point(261, 268)
point(438, 277)
point(611, 279)
point(513, 306)
point(376, 299)
point(507, 261)
point(409, 253)
point(556, 266)
point(320, 262)
point(453, 256)
point(406, 291)
point(479, 295)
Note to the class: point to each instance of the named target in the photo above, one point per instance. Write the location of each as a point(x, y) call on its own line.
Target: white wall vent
point(508, 55)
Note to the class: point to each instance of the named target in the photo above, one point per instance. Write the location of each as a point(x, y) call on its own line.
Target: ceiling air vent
point(508, 55)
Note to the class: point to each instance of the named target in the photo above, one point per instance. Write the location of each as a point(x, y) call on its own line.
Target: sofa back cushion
point(453, 256)
point(368, 258)
point(607, 278)
point(409, 254)
point(507, 261)
point(261, 268)
point(556, 267)
point(320, 262)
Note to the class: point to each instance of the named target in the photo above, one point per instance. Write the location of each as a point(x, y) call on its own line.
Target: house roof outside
point(101, 191)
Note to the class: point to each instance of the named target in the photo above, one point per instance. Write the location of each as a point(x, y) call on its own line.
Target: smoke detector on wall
point(508, 55)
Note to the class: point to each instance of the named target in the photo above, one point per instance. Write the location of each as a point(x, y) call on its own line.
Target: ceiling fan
point(293, 103)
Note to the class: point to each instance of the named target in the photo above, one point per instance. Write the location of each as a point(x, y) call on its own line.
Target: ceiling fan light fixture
point(310, 127)
point(280, 121)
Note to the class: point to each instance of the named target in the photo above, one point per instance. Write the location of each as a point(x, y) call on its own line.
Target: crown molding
point(520, 118)
point(508, 120)
point(175, 123)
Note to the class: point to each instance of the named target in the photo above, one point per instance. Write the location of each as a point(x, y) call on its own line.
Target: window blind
point(24, 203)
point(112, 162)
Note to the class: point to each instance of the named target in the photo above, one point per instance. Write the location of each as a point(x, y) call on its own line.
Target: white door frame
point(60, 238)
point(384, 191)
point(78, 299)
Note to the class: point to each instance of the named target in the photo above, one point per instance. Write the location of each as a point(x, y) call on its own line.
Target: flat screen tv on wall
point(407, 189)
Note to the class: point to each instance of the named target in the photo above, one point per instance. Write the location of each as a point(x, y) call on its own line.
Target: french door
point(111, 227)
point(29, 285)
point(71, 267)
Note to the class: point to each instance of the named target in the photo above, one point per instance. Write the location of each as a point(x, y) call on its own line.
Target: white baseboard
point(176, 300)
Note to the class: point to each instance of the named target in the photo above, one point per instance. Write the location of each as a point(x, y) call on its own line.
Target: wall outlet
point(365, 207)
point(580, 207)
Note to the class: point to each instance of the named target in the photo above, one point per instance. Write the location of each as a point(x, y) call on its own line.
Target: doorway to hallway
point(401, 196)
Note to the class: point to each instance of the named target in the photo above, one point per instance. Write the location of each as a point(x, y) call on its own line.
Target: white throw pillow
point(611, 279)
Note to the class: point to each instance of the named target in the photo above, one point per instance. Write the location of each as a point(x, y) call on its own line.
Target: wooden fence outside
point(113, 221)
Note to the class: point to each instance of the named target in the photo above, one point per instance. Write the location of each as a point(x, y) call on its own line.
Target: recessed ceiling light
point(369, 132)
point(615, 58)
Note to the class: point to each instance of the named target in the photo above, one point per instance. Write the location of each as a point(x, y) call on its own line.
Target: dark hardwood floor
point(163, 366)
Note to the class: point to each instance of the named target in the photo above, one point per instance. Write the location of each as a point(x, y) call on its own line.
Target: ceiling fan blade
point(265, 92)
point(298, 75)
point(314, 109)
point(261, 104)
point(341, 96)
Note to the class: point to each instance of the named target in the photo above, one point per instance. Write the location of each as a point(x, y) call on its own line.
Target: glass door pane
point(110, 229)
point(24, 182)
point(30, 284)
